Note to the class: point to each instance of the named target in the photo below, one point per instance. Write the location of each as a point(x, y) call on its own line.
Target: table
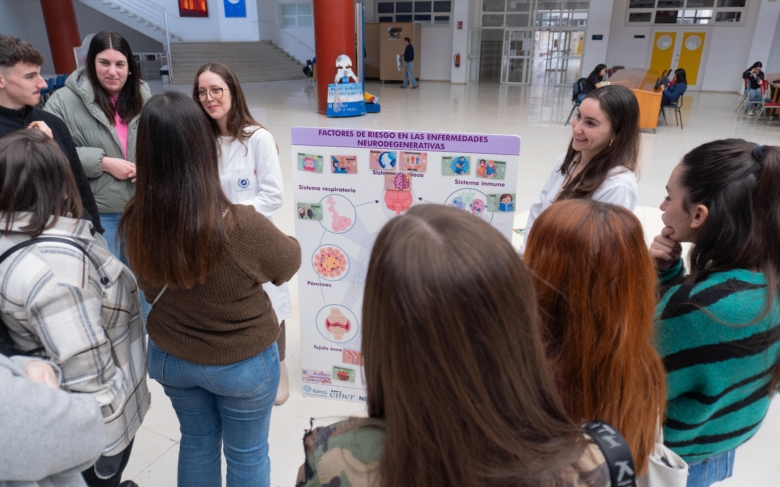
point(774, 90)
point(642, 83)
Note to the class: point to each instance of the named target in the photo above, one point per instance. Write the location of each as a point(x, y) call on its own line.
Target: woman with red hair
point(596, 288)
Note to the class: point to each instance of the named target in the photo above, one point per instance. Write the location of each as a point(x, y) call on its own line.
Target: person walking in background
point(603, 357)
point(249, 171)
point(409, 61)
point(77, 306)
point(100, 103)
point(20, 92)
point(203, 260)
point(717, 325)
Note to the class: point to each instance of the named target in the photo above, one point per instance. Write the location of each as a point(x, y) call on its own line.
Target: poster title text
point(403, 140)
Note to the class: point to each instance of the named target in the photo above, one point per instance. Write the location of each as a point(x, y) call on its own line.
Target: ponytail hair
point(738, 181)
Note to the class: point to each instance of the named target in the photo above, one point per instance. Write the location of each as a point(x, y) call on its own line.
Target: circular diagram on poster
point(664, 42)
point(472, 200)
point(338, 213)
point(330, 262)
point(336, 323)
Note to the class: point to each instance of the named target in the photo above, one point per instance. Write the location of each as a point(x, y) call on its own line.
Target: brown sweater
point(229, 317)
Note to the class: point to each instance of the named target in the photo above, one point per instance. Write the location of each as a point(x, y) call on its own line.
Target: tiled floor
point(536, 114)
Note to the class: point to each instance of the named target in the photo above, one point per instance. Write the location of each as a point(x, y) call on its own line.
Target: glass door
point(475, 45)
point(517, 56)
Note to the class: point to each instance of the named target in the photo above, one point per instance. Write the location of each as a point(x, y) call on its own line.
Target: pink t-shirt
point(121, 128)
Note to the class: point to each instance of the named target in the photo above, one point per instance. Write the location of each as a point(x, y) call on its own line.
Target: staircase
point(142, 15)
point(251, 61)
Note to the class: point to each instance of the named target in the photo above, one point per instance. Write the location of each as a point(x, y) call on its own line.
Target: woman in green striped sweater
point(718, 332)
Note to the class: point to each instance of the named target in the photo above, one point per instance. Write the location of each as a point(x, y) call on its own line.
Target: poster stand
point(347, 184)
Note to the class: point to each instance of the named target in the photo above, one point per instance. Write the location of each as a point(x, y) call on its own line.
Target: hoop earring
point(610, 143)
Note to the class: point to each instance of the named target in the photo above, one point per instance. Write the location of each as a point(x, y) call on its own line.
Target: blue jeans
point(218, 404)
point(409, 74)
point(581, 96)
point(110, 223)
point(712, 470)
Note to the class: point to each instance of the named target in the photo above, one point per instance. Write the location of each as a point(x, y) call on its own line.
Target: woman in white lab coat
point(248, 168)
point(602, 159)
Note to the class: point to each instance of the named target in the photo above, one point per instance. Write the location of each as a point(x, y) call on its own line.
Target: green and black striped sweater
point(717, 367)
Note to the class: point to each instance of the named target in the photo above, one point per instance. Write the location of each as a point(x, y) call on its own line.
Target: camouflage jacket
point(348, 454)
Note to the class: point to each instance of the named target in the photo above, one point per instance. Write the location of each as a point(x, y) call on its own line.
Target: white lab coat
point(618, 189)
point(252, 176)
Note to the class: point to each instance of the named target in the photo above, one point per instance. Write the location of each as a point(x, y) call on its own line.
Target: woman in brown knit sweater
point(212, 331)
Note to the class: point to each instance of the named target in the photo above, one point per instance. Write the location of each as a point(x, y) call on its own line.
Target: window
point(548, 13)
point(686, 12)
point(296, 14)
point(193, 8)
point(415, 11)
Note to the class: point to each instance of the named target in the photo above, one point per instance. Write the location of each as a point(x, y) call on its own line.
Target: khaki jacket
point(95, 138)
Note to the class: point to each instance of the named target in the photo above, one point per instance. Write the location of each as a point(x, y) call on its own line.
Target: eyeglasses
point(216, 94)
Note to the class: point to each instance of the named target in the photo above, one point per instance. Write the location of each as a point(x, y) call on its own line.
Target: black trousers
point(116, 463)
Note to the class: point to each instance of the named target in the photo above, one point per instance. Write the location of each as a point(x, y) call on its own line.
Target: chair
point(743, 100)
point(676, 106)
point(764, 104)
point(577, 88)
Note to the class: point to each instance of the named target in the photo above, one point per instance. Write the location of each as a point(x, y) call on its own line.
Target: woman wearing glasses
point(249, 170)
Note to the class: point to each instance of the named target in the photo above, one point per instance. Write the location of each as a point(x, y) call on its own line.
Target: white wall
point(773, 62)
point(729, 52)
point(298, 42)
point(24, 19)
point(436, 48)
point(599, 21)
point(765, 31)
point(462, 11)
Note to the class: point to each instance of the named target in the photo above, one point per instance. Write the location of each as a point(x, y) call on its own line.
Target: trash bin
point(164, 74)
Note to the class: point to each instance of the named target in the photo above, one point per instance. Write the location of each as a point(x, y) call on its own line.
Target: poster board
point(347, 183)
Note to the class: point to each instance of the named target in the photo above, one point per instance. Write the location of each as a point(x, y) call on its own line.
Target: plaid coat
point(85, 311)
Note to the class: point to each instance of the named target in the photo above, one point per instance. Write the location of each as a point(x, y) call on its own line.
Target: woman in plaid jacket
point(81, 307)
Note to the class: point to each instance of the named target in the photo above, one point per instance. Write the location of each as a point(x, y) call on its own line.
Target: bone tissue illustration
point(337, 324)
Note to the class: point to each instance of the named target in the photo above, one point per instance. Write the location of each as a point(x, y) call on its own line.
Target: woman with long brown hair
point(596, 289)
point(458, 388)
point(249, 170)
point(601, 162)
point(203, 260)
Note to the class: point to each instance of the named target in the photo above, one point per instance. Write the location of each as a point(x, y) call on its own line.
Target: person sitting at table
point(672, 92)
point(594, 80)
point(755, 76)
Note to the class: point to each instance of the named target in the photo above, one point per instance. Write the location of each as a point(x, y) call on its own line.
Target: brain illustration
point(401, 181)
point(398, 201)
point(330, 262)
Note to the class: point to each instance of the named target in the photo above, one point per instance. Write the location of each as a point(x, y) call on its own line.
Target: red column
point(334, 34)
point(63, 33)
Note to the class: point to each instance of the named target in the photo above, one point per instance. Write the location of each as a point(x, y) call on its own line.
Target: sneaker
point(415, 87)
point(284, 385)
point(402, 87)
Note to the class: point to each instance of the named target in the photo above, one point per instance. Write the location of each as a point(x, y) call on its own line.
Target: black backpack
point(7, 346)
